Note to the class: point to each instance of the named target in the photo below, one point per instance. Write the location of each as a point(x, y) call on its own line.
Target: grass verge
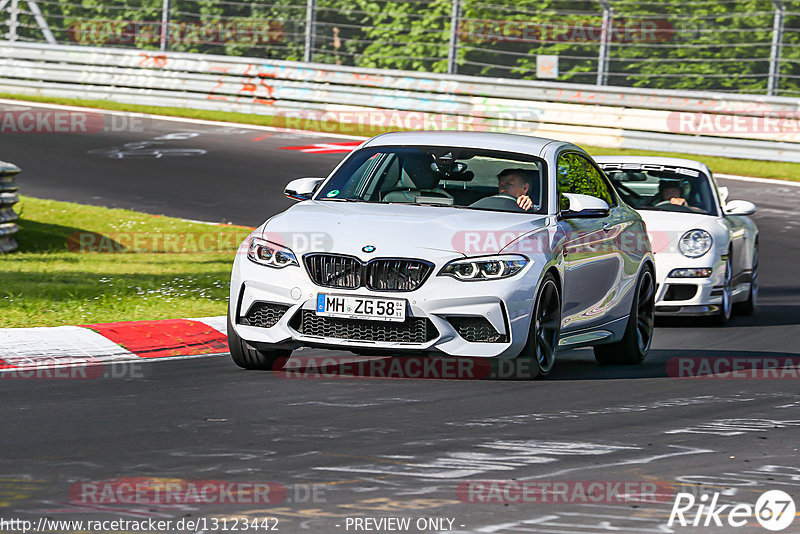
point(83, 264)
point(745, 167)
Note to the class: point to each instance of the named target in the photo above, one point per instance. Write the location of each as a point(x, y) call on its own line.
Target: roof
point(656, 160)
point(487, 140)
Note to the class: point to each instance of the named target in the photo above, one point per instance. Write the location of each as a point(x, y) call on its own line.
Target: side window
point(571, 178)
point(599, 186)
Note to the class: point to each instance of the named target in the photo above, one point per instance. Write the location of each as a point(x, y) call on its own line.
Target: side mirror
point(584, 206)
point(302, 188)
point(740, 207)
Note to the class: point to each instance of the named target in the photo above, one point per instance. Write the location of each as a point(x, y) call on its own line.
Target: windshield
point(440, 176)
point(662, 187)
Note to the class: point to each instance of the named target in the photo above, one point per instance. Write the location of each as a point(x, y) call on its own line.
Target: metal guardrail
point(8, 197)
point(609, 117)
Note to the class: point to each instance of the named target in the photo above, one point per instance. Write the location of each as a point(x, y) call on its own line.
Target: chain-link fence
point(743, 46)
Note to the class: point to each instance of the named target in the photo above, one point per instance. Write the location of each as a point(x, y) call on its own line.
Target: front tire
point(539, 355)
point(722, 316)
point(247, 357)
point(632, 349)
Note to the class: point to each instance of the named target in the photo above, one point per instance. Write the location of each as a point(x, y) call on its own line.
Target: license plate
point(369, 308)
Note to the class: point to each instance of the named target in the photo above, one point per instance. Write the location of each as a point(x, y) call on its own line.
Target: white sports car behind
point(706, 246)
point(412, 246)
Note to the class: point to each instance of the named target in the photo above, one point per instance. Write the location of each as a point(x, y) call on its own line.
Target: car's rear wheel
point(537, 358)
point(632, 349)
point(247, 357)
point(726, 305)
point(748, 307)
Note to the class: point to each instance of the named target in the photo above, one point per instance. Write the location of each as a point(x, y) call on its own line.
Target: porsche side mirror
point(302, 188)
point(584, 206)
point(740, 207)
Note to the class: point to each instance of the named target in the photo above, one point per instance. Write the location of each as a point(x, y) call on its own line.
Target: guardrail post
point(452, 51)
point(165, 17)
point(775, 51)
point(311, 6)
point(8, 197)
point(605, 38)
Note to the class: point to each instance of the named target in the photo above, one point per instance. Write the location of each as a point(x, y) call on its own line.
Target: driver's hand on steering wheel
point(524, 202)
point(678, 201)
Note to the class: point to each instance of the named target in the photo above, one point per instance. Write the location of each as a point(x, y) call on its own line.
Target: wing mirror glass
point(740, 207)
point(584, 206)
point(302, 188)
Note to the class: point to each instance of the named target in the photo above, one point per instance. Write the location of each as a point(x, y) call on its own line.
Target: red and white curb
point(26, 348)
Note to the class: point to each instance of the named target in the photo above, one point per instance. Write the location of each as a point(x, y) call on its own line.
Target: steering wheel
point(666, 205)
point(500, 201)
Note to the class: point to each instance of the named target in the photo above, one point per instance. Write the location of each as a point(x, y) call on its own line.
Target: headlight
point(485, 268)
point(695, 243)
point(265, 253)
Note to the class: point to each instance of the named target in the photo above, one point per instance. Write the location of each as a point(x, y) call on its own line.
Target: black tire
point(632, 349)
point(247, 357)
point(748, 307)
point(539, 355)
point(723, 315)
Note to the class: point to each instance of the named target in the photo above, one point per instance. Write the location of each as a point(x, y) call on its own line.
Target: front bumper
point(504, 306)
point(688, 296)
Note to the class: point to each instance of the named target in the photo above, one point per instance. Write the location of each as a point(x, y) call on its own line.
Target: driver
point(671, 191)
point(520, 184)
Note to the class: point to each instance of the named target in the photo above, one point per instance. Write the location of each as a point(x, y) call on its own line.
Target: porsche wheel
point(748, 307)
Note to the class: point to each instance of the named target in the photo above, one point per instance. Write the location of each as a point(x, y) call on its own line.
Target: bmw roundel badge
point(369, 249)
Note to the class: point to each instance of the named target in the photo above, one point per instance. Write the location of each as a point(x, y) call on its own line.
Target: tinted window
point(599, 185)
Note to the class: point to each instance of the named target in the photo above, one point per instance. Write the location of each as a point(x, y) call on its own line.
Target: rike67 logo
point(774, 510)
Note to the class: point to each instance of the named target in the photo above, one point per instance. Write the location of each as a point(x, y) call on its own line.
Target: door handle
point(606, 227)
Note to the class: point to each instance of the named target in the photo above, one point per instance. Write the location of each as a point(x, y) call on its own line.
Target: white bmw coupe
point(706, 246)
point(448, 243)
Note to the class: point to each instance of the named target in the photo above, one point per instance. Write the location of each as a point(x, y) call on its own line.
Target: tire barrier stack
point(8, 197)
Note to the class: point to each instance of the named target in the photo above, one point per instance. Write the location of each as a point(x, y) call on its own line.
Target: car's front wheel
point(632, 349)
point(247, 357)
point(537, 358)
point(723, 315)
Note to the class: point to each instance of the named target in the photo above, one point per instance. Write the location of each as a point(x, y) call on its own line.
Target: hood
point(665, 228)
point(395, 230)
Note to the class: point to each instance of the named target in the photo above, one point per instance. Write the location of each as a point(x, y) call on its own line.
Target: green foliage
point(669, 44)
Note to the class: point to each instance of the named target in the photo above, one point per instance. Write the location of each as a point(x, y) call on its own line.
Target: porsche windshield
point(441, 176)
point(661, 187)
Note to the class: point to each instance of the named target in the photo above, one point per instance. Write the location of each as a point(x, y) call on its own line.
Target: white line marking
point(648, 460)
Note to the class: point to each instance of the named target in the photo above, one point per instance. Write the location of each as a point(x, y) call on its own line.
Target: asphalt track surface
point(392, 447)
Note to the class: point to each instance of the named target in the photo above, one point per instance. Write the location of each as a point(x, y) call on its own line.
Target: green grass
point(744, 167)
point(58, 279)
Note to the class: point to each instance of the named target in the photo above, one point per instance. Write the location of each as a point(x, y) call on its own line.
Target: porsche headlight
point(695, 243)
point(485, 268)
point(270, 254)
